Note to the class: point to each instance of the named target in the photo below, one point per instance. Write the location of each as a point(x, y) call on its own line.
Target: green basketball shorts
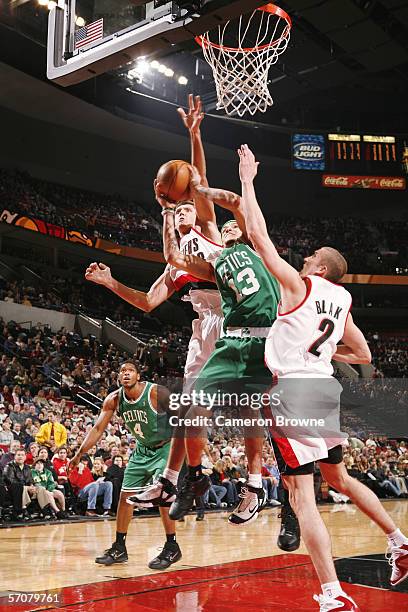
point(144, 465)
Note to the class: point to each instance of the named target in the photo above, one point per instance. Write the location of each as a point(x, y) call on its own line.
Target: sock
point(170, 537)
point(255, 480)
point(332, 589)
point(171, 475)
point(194, 472)
point(121, 539)
point(396, 538)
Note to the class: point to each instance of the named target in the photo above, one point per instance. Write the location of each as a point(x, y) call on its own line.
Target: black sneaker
point(200, 516)
point(161, 493)
point(289, 535)
point(252, 502)
point(190, 489)
point(170, 554)
point(114, 554)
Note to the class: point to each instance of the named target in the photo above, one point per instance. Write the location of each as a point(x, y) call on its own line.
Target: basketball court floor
point(223, 567)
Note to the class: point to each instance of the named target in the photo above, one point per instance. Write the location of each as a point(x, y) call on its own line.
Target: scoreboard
point(364, 155)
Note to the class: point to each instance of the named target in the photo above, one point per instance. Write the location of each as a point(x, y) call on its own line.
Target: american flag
point(89, 33)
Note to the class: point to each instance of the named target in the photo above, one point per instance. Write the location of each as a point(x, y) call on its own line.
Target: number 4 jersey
point(302, 341)
point(249, 293)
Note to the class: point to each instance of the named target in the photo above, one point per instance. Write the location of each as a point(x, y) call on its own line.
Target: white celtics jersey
point(302, 342)
point(202, 294)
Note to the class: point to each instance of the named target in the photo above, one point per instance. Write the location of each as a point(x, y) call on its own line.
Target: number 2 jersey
point(302, 341)
point(249, 293)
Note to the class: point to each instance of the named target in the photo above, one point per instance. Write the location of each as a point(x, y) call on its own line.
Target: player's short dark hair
point(131, 362)
point(335, 262)
point(184, 203)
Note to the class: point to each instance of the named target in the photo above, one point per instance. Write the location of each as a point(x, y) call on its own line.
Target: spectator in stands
point(32, 454)
point(270, 481)
point(9, 456)
point(114, 474)
point(20, 485)
point(52, 434)
point(6, 435)
point(40, 400)
point(47, 493)
point(17, 415)
point(60, 463)
point(18, 433)
point(379, 476)
point(370, 443)
point(216, 492)
point(103, 450)
point(88, 490)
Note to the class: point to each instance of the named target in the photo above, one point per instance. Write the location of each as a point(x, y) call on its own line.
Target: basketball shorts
point(237, 365)
point(144, 465)
point(207, 329)
point(334, 457)
point(306, 419)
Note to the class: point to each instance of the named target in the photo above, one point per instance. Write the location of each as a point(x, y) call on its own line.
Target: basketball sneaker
point(289, 535)
point(341, 603)
point(189, 490)
point(161, 493)
point(114, 554)
point(398, 559)
point(170, 554)
point(252, 502)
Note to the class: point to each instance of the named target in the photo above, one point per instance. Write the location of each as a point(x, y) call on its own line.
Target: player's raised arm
point(189, 263)
point(354, 348)
point(95, 434)
point(206, 217)
point(158, 293)
point(287, 276)
point(226, 199)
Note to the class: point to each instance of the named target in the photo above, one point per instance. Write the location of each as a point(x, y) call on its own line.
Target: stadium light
point(169, 72)
point(43, 2)
point(155, 64)
point(80, 22)
point(51, 4)
point(182, 80)
point(162, 68)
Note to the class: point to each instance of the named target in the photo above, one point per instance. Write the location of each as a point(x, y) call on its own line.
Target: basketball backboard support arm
point(162, 27)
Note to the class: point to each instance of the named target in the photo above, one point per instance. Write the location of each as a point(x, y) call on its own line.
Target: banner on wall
point(77, 236)
point(308, 152)
point(364, 182)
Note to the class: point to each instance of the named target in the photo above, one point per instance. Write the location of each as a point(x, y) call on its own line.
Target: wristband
point(167, 210)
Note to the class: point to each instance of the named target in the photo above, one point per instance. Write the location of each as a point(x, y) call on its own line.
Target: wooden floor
point(42, 558)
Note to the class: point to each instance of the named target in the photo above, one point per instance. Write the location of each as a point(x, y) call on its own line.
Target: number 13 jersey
point(302, 341)
point(249, 293)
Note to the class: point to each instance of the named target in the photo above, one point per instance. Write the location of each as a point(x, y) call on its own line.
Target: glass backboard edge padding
point(110, 53)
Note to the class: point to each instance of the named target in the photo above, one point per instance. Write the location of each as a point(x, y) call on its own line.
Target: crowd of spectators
point(390, 354)
point(384, 249)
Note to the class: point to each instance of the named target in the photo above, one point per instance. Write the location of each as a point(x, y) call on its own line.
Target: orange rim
point(268, 8)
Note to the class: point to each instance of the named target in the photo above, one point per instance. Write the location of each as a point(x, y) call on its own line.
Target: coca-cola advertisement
point(346, 181)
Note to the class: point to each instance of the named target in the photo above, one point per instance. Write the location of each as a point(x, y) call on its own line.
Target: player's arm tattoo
point(172, 254)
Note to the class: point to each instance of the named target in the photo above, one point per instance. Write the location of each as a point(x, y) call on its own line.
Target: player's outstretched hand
point(160, 198)
point(248, 166)
point(98, 273)
point(192, 120)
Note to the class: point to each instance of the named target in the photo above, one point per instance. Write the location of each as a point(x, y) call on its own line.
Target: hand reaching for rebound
point(98, 273)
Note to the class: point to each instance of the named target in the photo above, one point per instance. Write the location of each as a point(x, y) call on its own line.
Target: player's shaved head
point(335, 263)
point(130, 362)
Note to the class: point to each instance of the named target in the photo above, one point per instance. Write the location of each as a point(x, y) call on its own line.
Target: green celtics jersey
point(249, 292)
point(148, 426)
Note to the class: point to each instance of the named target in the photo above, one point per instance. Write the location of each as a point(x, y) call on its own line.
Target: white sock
point(396, 538)
point(171, 475)
point(255, 480)
point(332, 589)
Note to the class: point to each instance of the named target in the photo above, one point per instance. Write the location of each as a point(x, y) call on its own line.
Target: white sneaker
point(344, 498)
point(274, 502)
point(160, 493)
point(252, 502)
point(398, 559)
point(341, 602)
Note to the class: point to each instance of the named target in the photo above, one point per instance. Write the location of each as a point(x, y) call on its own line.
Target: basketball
point(174, 177)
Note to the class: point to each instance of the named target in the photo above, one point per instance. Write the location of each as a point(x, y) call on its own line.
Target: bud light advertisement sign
point(309, 152)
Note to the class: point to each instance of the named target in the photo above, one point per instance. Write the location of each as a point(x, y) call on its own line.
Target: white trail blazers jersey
point(302, 342)
point(202, 294)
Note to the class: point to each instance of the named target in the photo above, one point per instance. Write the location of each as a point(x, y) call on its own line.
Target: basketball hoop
point(241, 71)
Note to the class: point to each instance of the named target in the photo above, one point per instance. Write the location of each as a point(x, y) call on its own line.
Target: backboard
point(89, 37)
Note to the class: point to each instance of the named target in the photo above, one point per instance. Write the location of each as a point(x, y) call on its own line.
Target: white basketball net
point(241, 73)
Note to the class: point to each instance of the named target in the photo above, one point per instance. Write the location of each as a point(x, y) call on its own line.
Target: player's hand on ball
point(192, 120)
point(248, 166)
point(98, 273)
point(158, 192)
point(195, 180)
